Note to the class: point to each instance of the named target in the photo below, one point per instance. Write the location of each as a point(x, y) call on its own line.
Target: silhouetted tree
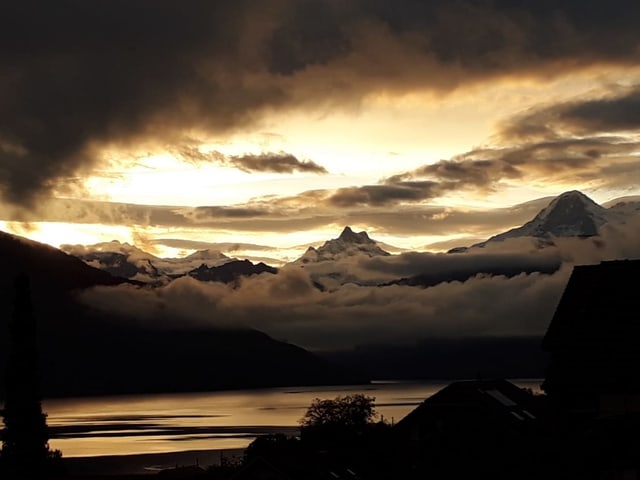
point(350, 411)
point(25, 447)
point(339, 422)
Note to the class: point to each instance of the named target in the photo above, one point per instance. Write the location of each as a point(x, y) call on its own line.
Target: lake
point(156, 423)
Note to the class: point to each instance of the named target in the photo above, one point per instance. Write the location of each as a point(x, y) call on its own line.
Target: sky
point(165, 123)
point(265, 127)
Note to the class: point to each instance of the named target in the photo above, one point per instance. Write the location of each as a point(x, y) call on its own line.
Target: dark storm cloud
point(589, 139)
point(436, 220)
point(280, 162)
point(606, 115)
point(483, 169)
point(441, 265)
point(78, 76)
point(555, 160)
point(471, 172)
point(200, 245)
point(384, 194)
point(275, 162)
point(209, 213)
point(291, 214)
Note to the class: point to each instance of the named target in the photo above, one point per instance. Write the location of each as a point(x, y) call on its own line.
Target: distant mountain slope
point(448, 358)
point(348, 244)
point(50, 269)
point(230, 271)
point(460, 274)
point(122, 259)
point(624, 206)
point(571, 214)
point(84, 352)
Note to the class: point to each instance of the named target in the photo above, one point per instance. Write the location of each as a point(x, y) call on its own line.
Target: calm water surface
point(156, 423)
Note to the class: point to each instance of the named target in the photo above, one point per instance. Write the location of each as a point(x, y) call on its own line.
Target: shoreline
point(146, 463)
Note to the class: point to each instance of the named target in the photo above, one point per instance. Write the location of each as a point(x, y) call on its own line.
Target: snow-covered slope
point(124, 260)
point(624, 206)
point(571, 214)
point(348, 244)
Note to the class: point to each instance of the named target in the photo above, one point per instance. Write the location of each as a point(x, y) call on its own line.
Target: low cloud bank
point(290, 307)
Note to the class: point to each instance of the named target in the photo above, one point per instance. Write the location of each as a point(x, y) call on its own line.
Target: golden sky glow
point(254, 130)
point(286, 133)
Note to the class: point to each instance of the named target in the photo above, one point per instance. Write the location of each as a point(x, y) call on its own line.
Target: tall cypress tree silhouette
point(25, 439)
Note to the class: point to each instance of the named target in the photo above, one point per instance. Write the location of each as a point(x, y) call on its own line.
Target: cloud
point(558, 160)
point(76, 79)
point(443, 265)
point(614, 113)
point(384, 194)
point(200, 245)
point(209, 213)
point(565, 144)
point(288, 306)
point(275, 162)
point(284, 215)
point(280, 162)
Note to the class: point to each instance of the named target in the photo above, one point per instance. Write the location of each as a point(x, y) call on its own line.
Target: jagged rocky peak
point(575, 199)
point(349, 243)
point(350, 236)
point(571, 213)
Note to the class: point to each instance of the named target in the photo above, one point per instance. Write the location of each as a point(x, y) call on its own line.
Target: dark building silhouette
point(25, 448)
point(475, 428)
point(594, 342)
point(593, 379)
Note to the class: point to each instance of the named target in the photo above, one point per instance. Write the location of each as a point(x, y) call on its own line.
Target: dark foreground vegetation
point(470, 429)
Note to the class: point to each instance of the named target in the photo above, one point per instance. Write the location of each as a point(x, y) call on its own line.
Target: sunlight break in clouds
point(306, 116)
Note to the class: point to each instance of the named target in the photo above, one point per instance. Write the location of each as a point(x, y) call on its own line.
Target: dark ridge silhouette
point(461, 275)
point(594, 341)
point(50, 270)
point(448, 358)
point(130, 360)
point(229, 272)
point(25, 438)
point(88, 352)
point(118, 264)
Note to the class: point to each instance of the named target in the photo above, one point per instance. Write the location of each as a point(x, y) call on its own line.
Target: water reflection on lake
point(193, 421)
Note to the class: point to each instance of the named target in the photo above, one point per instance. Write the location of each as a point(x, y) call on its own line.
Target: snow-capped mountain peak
point(348, 244)
point(349, 236)
point(571, 214)
point(124, 260)
point(209, 254)
point(568, 213)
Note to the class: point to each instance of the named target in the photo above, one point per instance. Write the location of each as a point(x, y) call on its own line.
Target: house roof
point(598, 309)
point(500, 399)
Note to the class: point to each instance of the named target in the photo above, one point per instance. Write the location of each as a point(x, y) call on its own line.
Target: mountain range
point(571, 214)
point(88, 352)
point(94, 352)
